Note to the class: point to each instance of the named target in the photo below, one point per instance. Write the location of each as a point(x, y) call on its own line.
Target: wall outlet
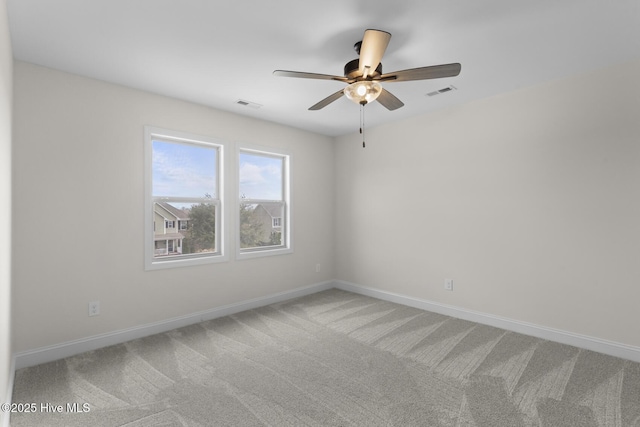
point(94, 308)
point(448, 284)
point(317, 268)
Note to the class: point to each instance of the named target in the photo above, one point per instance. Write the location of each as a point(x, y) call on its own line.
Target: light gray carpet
point(336, 359)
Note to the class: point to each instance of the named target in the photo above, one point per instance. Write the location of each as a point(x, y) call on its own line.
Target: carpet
point(333, 359)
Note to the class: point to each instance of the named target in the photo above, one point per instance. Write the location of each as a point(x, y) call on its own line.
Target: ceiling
point(218, 52)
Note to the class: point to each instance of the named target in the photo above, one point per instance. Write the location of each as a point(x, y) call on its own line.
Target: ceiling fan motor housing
point(352, 70)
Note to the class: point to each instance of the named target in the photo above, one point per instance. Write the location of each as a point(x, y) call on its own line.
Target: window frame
point(151, 134)
point(287, 241)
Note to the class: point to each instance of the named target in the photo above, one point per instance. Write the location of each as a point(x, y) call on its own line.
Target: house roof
point(178, 213)
point(274, 209)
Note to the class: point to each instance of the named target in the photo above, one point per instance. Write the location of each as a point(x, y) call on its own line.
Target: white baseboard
point(582, 341)
point(59, 351)
point(5, 416)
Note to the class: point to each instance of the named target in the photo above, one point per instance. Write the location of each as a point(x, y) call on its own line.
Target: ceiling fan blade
point(374, 44)
point(389, 101)
point(302, 75)
point(328, 100)
point(423, 73)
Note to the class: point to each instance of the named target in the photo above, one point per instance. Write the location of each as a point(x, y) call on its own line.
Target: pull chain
point(362, 122)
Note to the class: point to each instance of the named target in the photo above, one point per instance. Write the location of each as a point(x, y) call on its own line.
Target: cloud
point(180, 172)
point(251, 174)
point(260, 181)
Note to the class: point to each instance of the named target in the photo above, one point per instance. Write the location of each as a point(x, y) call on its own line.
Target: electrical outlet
point(317, 268)
point(448, 284)
point(94, 308)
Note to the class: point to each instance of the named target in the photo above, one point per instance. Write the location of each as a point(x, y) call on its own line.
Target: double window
point(185, 208)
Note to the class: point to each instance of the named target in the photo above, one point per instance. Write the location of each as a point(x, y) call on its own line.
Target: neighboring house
point(168, 223)
point(270, 217)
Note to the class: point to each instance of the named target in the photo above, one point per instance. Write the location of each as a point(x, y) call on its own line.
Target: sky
point(189, 170)
point(183, 170)
point(260, 177)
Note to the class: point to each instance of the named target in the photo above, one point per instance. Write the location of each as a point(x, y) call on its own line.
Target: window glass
point(261, 176)
point(183, 169)
point(183, 199)
point(263, 204)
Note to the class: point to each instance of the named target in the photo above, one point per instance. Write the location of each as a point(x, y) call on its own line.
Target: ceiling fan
point(364, 74)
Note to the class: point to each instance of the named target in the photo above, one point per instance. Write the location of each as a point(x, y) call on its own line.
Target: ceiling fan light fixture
point(363, 92)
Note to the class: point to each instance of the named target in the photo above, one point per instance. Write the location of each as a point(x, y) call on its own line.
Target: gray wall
point(528, 200)
point(78, 163)
point(6, 89)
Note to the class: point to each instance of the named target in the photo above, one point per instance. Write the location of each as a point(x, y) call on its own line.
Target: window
point(264, 208)
point(184, 193)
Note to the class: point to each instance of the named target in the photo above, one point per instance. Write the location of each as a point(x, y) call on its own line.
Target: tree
point(250, 227)
point(201, 236)
point(275, 239)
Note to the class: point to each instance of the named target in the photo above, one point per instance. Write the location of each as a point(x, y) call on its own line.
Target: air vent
point(248, 104)
point(443, 90)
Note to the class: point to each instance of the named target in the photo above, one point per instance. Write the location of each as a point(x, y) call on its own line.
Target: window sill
point(185, 262)
point(263, 253)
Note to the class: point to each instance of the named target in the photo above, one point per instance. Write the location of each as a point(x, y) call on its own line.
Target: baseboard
point(59, 351)
point(5, 416)
point(582, 341)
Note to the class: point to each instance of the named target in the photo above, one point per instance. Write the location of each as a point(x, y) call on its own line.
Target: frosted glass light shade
point(363, 92)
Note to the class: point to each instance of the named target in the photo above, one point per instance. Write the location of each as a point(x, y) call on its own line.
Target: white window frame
point(287, 240)
point(154, 133)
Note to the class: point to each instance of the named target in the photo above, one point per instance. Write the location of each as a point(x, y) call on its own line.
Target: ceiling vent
point(248, 104)
point(443, 90)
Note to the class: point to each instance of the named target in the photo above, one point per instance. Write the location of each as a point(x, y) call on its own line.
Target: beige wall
point(530, 201)
point(6, 88)
point(79, 151)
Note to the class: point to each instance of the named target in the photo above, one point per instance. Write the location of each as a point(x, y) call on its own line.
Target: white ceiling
point(216, 52)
